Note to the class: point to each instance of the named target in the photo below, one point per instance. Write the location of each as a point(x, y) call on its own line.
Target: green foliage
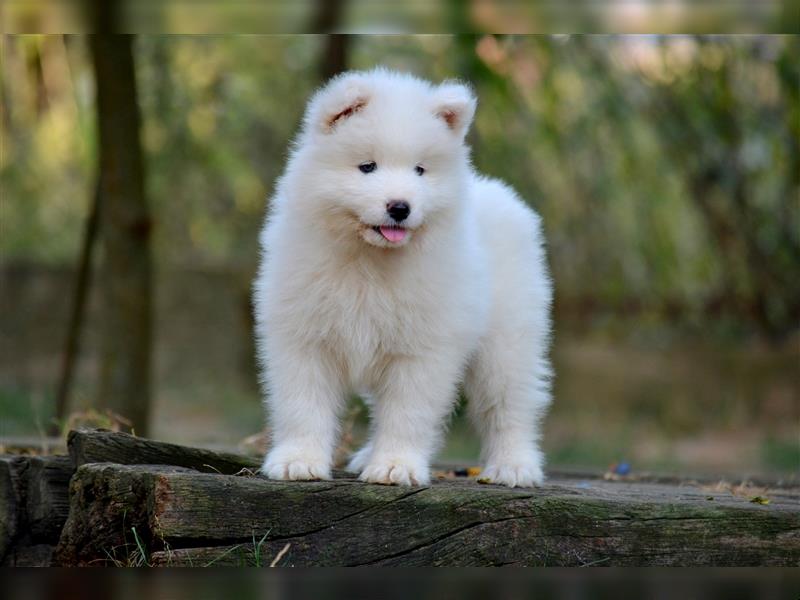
point(667, 169)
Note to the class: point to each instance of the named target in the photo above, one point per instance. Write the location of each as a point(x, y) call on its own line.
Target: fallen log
point(37, 555)
point(11, 501)
point(34, 490)
point(47, 496)
point(198, 513)
point(121, 448)
point(160, 515)
point(34, 504)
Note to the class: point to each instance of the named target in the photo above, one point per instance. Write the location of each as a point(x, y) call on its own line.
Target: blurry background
point(667, 171)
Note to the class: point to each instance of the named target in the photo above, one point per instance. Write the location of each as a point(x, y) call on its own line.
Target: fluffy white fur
point(463, 298)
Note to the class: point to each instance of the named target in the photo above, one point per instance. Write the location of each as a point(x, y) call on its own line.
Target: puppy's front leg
point(305, 401)
point(413, 399)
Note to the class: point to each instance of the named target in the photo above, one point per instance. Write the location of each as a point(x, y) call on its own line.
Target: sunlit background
point(412, 16)
point(666, 169)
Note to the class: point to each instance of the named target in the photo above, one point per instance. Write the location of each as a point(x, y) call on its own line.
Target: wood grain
point(185, 517)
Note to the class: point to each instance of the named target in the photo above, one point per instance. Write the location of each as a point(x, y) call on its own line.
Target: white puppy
point(390, 268)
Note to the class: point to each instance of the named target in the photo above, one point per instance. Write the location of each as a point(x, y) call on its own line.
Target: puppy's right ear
point(338, 100)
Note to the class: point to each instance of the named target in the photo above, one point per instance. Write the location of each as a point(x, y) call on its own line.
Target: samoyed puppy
point(392, 269)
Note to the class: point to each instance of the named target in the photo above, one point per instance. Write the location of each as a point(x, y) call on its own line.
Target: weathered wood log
point(47, 496)
point(34, 490)
point(34, 504)
point(174, 516)
point(121, 448)
point(11, 500)
point(108, 512)
point(38, 555)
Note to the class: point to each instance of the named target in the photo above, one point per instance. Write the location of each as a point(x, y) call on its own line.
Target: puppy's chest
point(364, 322)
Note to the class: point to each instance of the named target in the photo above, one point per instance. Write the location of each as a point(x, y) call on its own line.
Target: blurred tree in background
point(667, 171)
point(125, 226)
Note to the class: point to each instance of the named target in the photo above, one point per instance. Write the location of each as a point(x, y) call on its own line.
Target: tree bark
point(125, 225)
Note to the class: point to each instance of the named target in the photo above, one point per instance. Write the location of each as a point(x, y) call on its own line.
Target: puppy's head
point(382, 154)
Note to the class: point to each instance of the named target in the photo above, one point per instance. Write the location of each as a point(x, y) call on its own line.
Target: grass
point(221, 556)
point(138, 557)
point(252, 556)
point(136, 554)
point(257, 548)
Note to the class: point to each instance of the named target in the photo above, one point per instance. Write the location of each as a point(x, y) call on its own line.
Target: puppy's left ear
point(455, 105)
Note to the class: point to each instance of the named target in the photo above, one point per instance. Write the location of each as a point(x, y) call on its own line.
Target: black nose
point(398, 210)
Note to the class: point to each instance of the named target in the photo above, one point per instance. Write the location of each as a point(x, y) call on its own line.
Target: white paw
point(359, 459)
point(295, 466)
point(527, 474)
point(396, 472)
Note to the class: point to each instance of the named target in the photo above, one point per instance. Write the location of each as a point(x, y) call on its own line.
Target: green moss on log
point(186, 517)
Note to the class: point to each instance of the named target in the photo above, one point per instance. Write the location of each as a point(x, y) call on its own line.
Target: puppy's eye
point(419, 169)
point(367, 167)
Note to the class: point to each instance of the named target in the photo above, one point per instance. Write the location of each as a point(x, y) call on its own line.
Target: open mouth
point(391, 233)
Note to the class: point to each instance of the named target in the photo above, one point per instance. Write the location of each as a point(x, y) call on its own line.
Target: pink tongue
point(393, 234)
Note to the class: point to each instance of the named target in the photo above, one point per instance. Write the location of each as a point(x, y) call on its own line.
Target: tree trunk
point(334, 58)
point(327, 19)
point(125, 224)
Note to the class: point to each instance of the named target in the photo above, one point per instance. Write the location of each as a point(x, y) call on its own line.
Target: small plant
point(139, 557)
point(134, 554)
point(218, 557)
point(257, 547)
